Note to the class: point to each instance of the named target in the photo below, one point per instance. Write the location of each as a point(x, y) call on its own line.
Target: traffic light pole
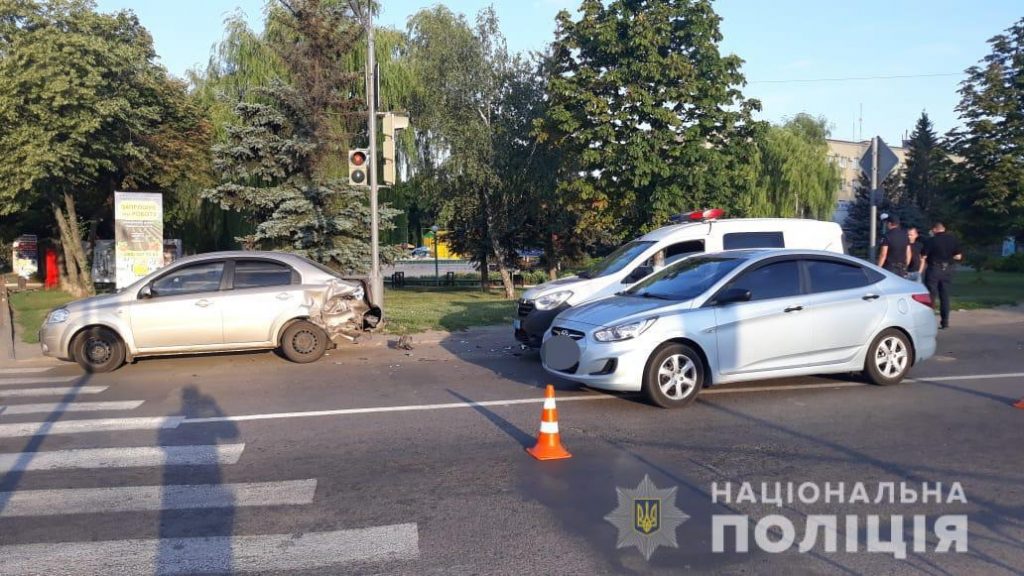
point(376, 280)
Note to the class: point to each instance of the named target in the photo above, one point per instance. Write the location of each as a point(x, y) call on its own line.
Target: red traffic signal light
point(358, 167)
point(357, 158)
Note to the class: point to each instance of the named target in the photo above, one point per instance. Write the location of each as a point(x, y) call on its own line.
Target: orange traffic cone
point(1019, 404)
point(549, 446)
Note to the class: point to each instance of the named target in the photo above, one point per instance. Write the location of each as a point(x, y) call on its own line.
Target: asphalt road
point(381, 461)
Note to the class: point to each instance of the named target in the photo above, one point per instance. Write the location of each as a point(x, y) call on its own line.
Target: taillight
point(925, 299)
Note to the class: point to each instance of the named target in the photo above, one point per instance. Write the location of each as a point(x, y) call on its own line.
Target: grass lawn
point(411, 310)
point(31, 307)
point(971, 290)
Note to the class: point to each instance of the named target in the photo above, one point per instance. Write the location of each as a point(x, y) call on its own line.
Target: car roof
point(281, 256)
point(764, 253)
point(751, 224)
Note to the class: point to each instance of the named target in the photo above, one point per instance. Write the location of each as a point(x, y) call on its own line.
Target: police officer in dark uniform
point(940, 252)
point(894, 254)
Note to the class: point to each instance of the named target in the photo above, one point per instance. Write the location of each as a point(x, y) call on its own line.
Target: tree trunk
point(498, 249)
point(551, 257)
point(75, 262)
point(483, 273)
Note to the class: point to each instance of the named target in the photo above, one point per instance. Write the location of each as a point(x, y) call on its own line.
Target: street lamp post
point(437, 269)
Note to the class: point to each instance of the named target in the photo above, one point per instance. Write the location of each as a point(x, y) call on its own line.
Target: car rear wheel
point(674, 376)
point(304, 342)
point(98, 349)
point(888, 358)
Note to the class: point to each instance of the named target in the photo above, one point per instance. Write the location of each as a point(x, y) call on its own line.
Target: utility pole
point(874, 207)
point(376, 280)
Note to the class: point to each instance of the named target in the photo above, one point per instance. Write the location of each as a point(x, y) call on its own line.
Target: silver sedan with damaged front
point(217, 302)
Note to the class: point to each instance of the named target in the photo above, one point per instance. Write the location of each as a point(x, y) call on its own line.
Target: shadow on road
point(216, 523)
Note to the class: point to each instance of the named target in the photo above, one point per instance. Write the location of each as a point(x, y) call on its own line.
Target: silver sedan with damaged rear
point(745, 315)
point(217, 302)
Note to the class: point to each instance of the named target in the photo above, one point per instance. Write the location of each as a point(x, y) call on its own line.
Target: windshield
point(617, 260)
point(685, 279)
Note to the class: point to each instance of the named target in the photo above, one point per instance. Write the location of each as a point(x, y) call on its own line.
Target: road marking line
point(218, 554)
point(80, 426)
point(37, 380)
point(24, 370)
point(714, 390)
point(140, 457)
point(409, 408)
point(62, 391)
point(975, 377)
point(145, 498)
point(60, 407)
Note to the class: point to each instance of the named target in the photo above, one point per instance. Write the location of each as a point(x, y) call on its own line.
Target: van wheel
point(674, 376)
point(304, 342)
point(98, 349)
point(888, 358)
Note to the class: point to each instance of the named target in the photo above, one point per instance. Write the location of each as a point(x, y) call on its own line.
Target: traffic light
point(358, 167)
point(392, 123)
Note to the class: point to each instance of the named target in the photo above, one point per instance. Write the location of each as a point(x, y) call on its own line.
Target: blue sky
point(781, 41)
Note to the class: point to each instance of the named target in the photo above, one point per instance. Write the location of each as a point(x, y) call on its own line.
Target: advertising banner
point(138, 234)
point(26, 256)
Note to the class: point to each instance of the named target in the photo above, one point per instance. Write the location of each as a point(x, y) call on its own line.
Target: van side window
point(740, 240)
point(682, 249)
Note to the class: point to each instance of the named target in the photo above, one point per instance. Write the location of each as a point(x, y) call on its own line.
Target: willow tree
point(795, 177)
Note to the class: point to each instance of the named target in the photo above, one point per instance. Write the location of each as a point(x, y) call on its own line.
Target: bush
point(1012, 263)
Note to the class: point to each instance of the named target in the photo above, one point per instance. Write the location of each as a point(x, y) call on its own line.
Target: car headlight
point(553, 300)
point(57, 316)
point(624, 331)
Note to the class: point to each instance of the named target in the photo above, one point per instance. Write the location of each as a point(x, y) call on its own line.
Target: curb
point(6, 323)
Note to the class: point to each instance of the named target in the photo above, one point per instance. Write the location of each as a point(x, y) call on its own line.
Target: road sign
point(887, 159)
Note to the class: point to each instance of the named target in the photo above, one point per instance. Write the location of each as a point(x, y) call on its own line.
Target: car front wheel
point(303, 342)
point(888, 358)
point(98, 349)
point(674, 376)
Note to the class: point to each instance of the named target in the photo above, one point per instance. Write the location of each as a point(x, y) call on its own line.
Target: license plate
point(517, 324)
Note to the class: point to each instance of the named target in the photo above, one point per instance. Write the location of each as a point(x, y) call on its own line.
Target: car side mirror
point(146, 293)
point(733, 295)
point(638, 273)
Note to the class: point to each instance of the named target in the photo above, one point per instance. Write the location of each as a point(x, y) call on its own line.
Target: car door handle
point(203, 303)
point(794, 309)
point(284, 296)
point(870, 297)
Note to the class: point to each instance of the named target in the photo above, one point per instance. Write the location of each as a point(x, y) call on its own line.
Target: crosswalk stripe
point(37, 380)
point(143, 498)
point(24, 370)
point(217, 554)
point(62, 391)
point(79, 426)
point(138, 457)
point(60, 407)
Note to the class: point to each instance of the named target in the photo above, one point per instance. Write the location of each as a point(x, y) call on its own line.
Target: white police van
point(700, 231)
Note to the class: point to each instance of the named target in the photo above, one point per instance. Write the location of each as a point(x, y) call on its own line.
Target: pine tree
point(991, 176)
point(279, 161)
point(926, 177)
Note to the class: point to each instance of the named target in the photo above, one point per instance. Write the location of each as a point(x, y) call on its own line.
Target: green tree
point(82, 103)
point(279, 161)
point(857, 225)
point(648, 114)
point(795, 177)
point(991, 142)
point(474, 109)
point(926, 176)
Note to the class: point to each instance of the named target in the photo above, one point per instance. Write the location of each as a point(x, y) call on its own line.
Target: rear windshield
point(685, 279)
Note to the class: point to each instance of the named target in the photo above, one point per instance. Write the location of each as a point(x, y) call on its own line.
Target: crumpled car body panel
point(341, 308)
